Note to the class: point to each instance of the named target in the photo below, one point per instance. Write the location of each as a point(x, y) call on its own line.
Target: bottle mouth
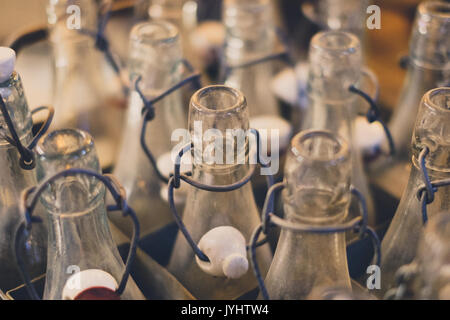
point(65, 143)
point(320, 146)
point(218, 99)
point(435, 9)
point(438, 99)
point(336, 41)
point(154, 32)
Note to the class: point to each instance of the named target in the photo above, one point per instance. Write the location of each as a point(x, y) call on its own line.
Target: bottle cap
point(7, 63)
point(270, 123)
point(225, 247)
point(368, 136)
point(93, 284)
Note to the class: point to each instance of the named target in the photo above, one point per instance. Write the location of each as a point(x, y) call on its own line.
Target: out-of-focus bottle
point(317, 178)
point(335, 64)
point(250, 35)
point(87, 94)
point(428, 68)
point(14, 179)
point(431, 131)
point(83, 261)
point(155, 55)
point(216, 110)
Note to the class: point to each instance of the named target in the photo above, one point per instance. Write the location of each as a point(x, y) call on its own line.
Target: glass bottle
point(335, 63)
point(14, 179)
point(317, 192)
point(79, 232)
point(250, 35)
point(87, 95)
point(428, 68)
point(216, 109)
point(399, 245)
point(155, 54)
point(433, 258)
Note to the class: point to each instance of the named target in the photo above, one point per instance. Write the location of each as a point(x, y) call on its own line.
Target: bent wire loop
point(148, 111)
point(269, 219)
point(374, 115)
point(283, 55)
point(28, 204)
point(426, 192)
point(174, 183)
point(27, 158)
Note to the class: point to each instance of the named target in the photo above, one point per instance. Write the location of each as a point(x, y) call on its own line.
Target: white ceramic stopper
point(167, 166)
point(226, 249)
point(368, 136)
point(7, 63)
point(289, 85)
point(86, 279)
point(266, 124)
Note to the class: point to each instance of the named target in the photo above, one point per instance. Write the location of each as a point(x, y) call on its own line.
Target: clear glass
point(14, 179)
point(155, 53)
point(433, 259)
point(79, 234)
point(428, 68)
point(399, 245)
point(87, 94)
point(217, 108)
point(317, 178)
point(335, 63)
point(250, 35)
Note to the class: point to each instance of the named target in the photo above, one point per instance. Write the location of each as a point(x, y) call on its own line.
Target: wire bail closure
point(27, 207)
point(426, 193)
point(174, 183)
point(148, 111)
point(269, 219)
point(27, 158)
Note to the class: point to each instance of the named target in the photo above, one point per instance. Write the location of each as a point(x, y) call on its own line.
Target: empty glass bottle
point(87, 95)
point(14, 179)
point(213, 111)
point(80, 240)
point(399, 245)
point(317, 192)
point(155, 55)
point(334, 65)
point(428, 68)
point(250, 35)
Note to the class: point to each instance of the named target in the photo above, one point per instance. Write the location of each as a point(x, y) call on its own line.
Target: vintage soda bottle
point(431, 132)
point(335, 64)
point(87, 94)
point(250, 35)
point(155, 55)
point(14, 179)
point(317, 192)
point(82, 261)
point(428, 68)
point(216, 111)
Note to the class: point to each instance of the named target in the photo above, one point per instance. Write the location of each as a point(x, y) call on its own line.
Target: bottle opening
point(439, 99)
point(218, 99)
point(336, 41)
point(65, 143)
point(155, 31)
point(436, 9)
point(321, 146)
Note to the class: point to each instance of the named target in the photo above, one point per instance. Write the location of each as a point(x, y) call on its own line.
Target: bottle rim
point(326, 41)
point(238, 101)
point(154, 32)
point(430, 101)
point(83, 144)
point(435, 9)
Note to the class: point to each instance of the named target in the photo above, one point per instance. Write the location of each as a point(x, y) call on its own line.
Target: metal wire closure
point(148, 111)
point(27, 158)
point(374, 115)
point(174, 183)
point(358, 224)
point(283, 55)
point(425, 193)
point(27, 207)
